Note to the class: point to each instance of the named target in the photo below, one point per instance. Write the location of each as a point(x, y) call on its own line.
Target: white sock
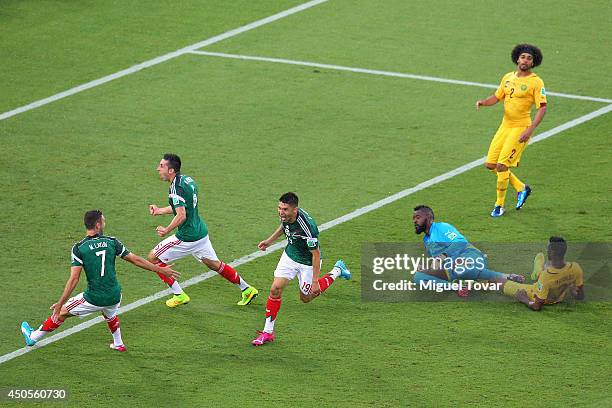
point(38, 334)
point(269, 326)
point(242, 284)
point(176, 288)
point(335, 272)
point(117, 341)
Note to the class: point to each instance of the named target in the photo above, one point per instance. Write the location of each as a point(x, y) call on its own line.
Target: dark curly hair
point(529, 49)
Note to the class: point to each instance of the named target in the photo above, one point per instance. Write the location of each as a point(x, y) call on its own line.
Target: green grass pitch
point(248, 131)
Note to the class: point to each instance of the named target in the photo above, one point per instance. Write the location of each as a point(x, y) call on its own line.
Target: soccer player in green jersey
point(191, 237)
point(96, 255)
point(301, 258)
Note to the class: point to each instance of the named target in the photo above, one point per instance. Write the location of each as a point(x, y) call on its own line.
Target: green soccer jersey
point(184, 193)
point(96, 254)
point(302, 237)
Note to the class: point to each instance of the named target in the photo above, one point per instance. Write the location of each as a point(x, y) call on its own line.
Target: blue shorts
point(468, 265)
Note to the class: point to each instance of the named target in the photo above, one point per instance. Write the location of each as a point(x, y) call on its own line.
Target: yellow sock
point(503, 179)
point(516, 183)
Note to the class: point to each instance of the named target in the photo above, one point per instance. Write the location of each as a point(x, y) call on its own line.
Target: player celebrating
point(554, 278)
point(96, 255)
point(445, 241)
point(302, 257)
point(192, 235)
point(519, 90)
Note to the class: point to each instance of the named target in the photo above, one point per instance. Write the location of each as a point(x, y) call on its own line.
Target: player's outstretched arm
point(73, 280)
point(144, 264)
point(490, 101)
point(263, 245)
point(155, 210)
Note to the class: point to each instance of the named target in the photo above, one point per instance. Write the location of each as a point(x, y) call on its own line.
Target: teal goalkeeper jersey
point(184, 193)
point(302, 237)
point(96, 254)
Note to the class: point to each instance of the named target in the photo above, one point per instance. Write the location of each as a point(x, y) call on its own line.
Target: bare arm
point(144, 264)
point(155, 210)
point(578, 292)
point(437, 272)
point(536, 121)
point(490, 101)
point(73, 280)
point(316, 271)
point(263, 245)
point(535, 305)
point(179, 218)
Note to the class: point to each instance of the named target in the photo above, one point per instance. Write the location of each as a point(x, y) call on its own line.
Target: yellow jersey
point(519, 94)
point(553, 283)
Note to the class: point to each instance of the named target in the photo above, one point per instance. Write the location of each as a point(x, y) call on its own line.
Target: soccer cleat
point(344, 271)
point(248, 295)
point(263, 338)
point(26, 330)
point(521, 196)
point(538, 265)
point(498, 211)
point(463, 292)
point(516, 278)
point(120, 348)
point(178, 300)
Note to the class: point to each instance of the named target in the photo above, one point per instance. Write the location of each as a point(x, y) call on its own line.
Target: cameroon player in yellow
point(555, 278)
point(520, 90)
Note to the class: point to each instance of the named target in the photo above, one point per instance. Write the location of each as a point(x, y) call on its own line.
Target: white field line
point(382, 73)
point(330, 224)
point(160, 59)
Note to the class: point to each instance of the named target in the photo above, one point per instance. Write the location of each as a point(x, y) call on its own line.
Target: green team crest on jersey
point(312, 243)
point(96, 254)
point(302, 237)
point(184, 193)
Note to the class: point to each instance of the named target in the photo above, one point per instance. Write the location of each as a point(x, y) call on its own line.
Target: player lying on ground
point(520, 90)
point(192, 235)
point(460, 260)
point(301, 258)
point(96, 255)
point(554, 278)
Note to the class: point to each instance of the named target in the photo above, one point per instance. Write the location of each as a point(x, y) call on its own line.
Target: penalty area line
point(160, 59)
point(325, 226)
point(380, 73)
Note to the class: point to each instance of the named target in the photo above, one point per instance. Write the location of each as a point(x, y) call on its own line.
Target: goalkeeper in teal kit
point(457, 258)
